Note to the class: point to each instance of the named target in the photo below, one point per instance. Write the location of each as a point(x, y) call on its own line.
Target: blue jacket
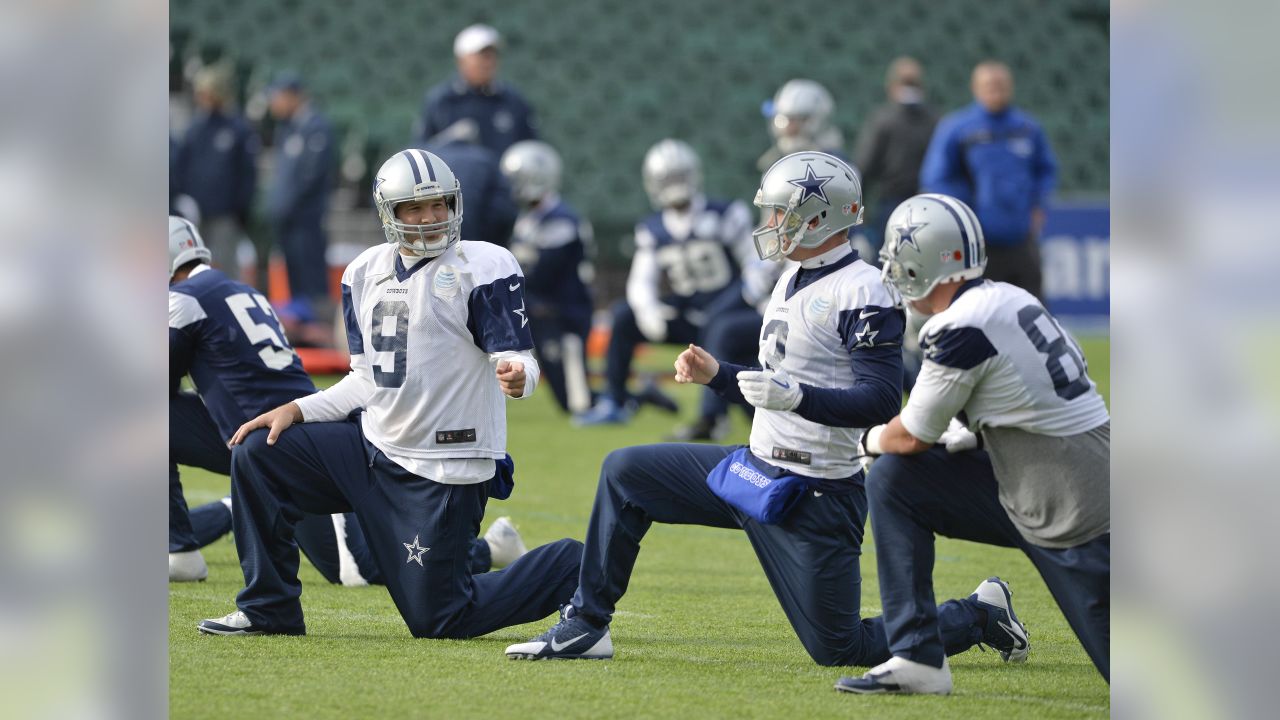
point(502, 116)
point(216, 164)
point(305, 163)
point(1001, 165)
point(488, 209)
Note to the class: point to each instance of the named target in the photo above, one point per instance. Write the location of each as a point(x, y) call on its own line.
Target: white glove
point(959, 438)
point(869, 447)
point(770, 389)
point(652, 322)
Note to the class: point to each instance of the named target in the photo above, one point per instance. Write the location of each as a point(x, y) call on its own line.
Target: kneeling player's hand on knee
point(277, 420)
point(511, 378)
point(770, 389)
point(696, 365)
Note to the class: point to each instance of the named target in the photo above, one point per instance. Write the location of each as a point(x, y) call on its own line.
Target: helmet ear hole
point(911, 273)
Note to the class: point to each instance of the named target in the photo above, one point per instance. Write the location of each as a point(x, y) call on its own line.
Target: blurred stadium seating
point(610, 77)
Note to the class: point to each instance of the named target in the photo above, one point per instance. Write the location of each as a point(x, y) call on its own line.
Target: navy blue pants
point(303, 243)
point(194, 440)
point(317, 537)
point(419, 532)
point(560, 340)
point(810, 559)
point(914, 497)
point(733, 336)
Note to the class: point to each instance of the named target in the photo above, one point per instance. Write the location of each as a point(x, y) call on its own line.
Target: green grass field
point(699, 633)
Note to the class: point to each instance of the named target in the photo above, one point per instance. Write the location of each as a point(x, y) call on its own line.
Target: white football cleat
point(573, 638)
point(234, 624)
point(238, 624)
point(187, 567)
point(505, 545)
point(1003, 631)
point(900, 676)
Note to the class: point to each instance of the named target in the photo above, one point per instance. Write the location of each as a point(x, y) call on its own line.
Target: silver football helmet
point(806, 186)
point(672, 174)
point(413, 175)
point(931, 239)
point(185, 244)
point(533, 169)
point(801, 117)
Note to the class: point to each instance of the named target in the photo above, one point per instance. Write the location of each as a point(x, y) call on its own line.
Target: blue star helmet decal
point(812, 184)
point(907, 231)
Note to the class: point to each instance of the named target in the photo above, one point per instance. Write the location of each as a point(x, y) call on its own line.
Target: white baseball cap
point(475, 38)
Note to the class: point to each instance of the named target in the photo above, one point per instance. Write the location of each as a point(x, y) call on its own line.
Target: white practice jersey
point(424, 338)
point(813, 334)
point(999, 356)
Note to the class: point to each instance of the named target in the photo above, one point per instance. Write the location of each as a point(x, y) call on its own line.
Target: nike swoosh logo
point(879, 679)
point(557, 646)
point(1018, 642)
point(784, 386)
point(515, 287)
point(866, 314)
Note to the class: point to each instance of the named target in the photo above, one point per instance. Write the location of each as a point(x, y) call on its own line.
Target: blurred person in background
point(215, 164)
point(995, 158)
point(890, 151)
point(554, 246)
point(1004, 441)
point(180, 203)
point(298, 196)
point(493, 209)
point(475, 102)
point(892, 142)
point(686, 269)
point(800, 118)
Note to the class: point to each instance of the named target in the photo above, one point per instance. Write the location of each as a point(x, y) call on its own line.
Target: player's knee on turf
point(829, 656)
point(428, 623)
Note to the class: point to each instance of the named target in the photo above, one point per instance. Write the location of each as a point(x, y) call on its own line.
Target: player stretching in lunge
point(831, 350)
point(996, 358)
point(226, 336)
point(439, 335)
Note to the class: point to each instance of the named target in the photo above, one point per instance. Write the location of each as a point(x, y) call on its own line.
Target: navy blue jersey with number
point(553, 246)
point(226, 336)
point(687, 268)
